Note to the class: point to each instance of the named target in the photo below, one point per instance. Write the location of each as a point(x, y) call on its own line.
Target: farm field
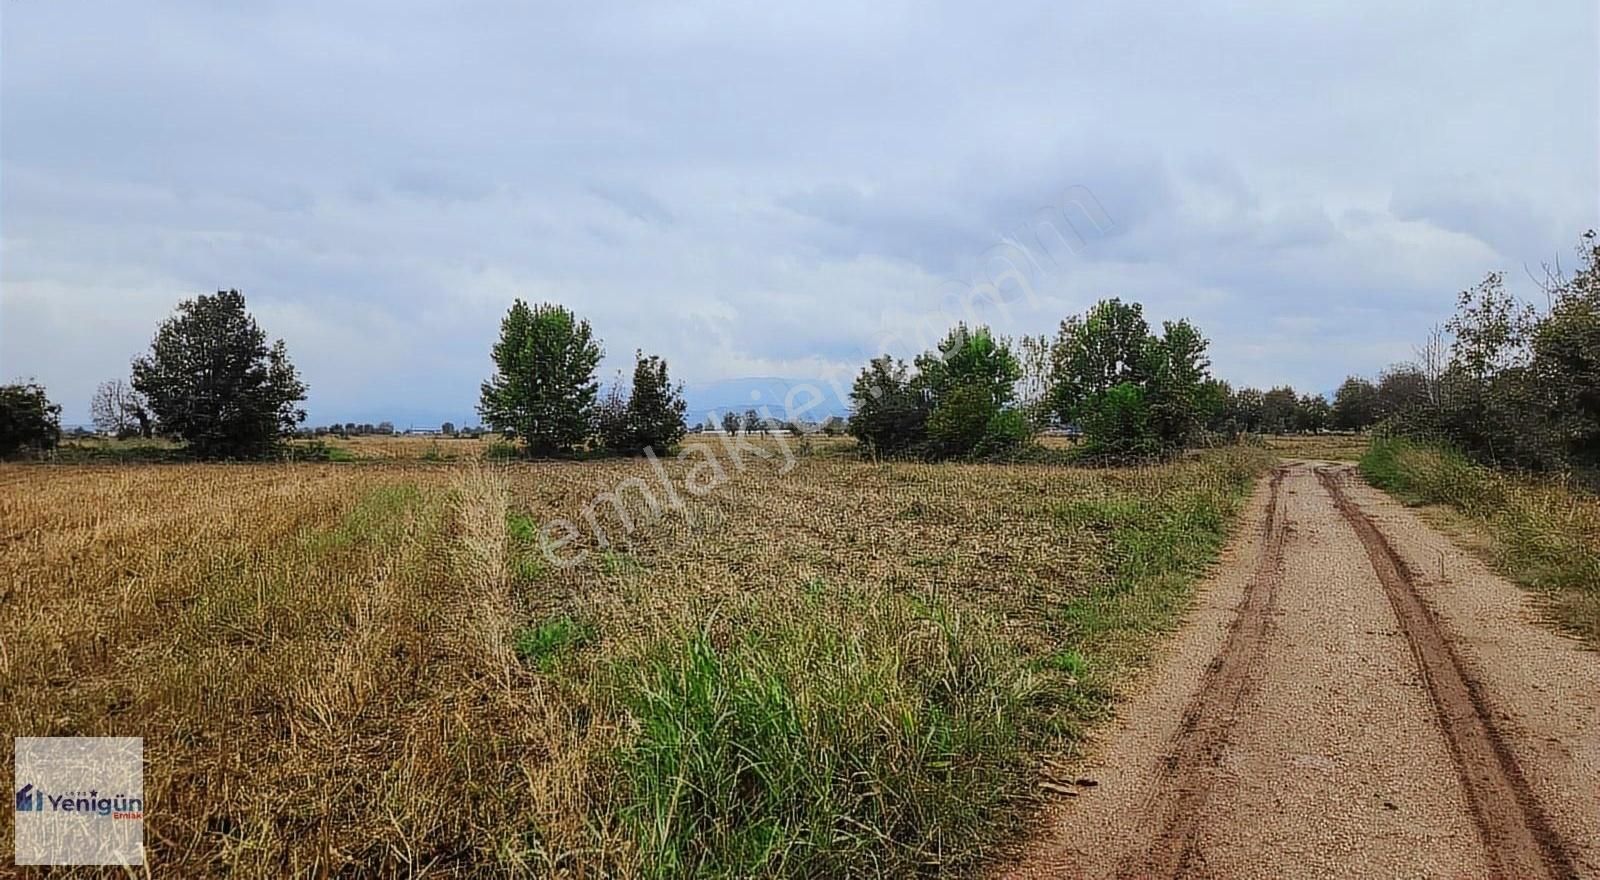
point(804, 666)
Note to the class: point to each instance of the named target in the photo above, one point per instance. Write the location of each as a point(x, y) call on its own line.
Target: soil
point(1352, 695)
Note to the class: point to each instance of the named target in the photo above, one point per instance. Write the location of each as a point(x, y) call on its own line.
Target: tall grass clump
point(852, 733)
point(1543, 533)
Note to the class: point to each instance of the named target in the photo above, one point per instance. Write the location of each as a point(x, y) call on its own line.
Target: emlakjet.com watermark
point(79, 800)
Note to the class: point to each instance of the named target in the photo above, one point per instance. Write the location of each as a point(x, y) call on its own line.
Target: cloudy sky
point(757, 192)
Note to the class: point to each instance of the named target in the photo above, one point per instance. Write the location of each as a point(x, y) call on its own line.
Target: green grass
point(859, 734)
point(543, 645)
point(379, 517)
point(1156, 547)
point(1543, 534)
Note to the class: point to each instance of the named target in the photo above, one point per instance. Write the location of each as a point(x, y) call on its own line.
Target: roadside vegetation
point(1541, 532)
point(849, 669)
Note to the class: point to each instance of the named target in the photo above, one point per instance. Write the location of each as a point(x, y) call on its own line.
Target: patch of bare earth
point(1351, 696)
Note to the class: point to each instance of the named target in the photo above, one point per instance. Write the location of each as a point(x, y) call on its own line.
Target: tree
point(1402, 389)
point(652, 417)
point(544, 385)
point(1108, 358)
point(969, 381)
point(730, 423)
point(1178, 368)
point(1566, 358)
point(1214, 400)
point(119, 411)
point(448, 429)
point(888, 416)
point(1106, 347)
point(29, 422)
point(752, 421)
point(1355, 405)
point(1312, 414)
point(611, 425)
point(1033, 388)
point(211, 380)
point(1247, 407)
point(1279, 410)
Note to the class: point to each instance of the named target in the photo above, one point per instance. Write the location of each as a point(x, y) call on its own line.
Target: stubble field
point(795, 665)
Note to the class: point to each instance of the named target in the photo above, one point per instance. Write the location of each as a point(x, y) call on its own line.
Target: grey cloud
point(769, 190)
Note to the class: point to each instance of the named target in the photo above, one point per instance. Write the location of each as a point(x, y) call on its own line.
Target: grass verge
point(1543, 534)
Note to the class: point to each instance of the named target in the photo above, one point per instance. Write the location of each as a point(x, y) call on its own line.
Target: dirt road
point(1352, 696)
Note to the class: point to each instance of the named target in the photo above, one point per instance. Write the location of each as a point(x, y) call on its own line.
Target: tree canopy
point(544, 387)
point(212, 380)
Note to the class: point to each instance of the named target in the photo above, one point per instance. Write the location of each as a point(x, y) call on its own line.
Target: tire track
point(1517, 836)
point(1189, 767)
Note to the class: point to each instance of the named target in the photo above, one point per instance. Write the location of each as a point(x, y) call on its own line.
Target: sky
point(774, 190)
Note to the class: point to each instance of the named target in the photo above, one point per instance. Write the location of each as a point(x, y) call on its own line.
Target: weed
point(543, 645)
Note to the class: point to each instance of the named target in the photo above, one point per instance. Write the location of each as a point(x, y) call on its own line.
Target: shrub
point(29, 422)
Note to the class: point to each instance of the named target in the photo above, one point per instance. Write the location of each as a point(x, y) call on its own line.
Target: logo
point(88, 803)
point(79, 800)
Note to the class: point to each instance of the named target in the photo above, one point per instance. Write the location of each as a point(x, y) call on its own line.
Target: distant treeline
point(1505, 381)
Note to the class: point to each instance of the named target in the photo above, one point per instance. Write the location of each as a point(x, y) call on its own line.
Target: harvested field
point(807, 665)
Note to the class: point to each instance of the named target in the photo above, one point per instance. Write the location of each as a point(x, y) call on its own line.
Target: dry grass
point(1542, 533)
point(1323, 447)
point(375, 669)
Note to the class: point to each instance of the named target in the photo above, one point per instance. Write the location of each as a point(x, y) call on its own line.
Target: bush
point(1116, 423)
point(29, 422)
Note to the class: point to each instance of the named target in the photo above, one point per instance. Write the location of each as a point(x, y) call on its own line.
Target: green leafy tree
point(1247, 407)
point(212, 380)
point(29, 422)
point(1312, 414)
point(969, 381)
point(752, 421)
point(611, 425)
point(1402, 390)
point(1355, 405)
point(655, 410)
point(1214, 399)
point(544, 385)
point(888, 416)
point(1178, 368)
point(1155, 385)
point(730, 423)
point(1566, 359)
point(1279, 410)
point(1106, 347)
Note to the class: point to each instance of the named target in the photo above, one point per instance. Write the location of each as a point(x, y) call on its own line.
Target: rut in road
point(1313, 718)
point(1516, 834)
point(1188, 776)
